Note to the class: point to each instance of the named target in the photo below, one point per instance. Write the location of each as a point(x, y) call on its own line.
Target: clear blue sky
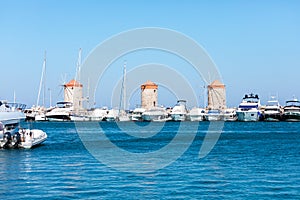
point(255, 44)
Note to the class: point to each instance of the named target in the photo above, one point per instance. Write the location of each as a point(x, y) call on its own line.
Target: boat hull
point(292, 116)
point(248, 116)
point(275, 117)
point(59, 118)
point(196, 118)
point(178, 117)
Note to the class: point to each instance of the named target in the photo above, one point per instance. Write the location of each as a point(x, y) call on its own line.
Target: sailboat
point(122, 115)
point(37, 112)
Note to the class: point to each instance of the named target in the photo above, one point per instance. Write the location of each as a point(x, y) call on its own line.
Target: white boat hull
point(178, 117)
point(196, 118)
point(248, 116)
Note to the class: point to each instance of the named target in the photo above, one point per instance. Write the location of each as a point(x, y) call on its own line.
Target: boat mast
point(42, 83)
point(44, 80)
point(122, 104)
point(50, 97)
point(124, 87)
point(77, 78)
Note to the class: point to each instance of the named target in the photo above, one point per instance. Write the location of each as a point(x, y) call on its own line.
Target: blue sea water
point(249, 161)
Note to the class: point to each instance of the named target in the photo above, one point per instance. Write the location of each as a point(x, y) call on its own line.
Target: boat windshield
point(271, 109)
point(64, 104)
point(293, 103)
point(272, 103)
point(248, 107)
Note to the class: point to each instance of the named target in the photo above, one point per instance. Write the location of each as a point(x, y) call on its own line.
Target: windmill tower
point(216, 95)
point(73, 94)
point(149, 95)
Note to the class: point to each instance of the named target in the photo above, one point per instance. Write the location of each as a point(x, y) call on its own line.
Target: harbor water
point(249, 161)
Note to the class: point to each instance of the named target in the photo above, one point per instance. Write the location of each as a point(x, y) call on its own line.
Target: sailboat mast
point(44, 80)
point(42, 83)
point(78, 66)
point(124, 87)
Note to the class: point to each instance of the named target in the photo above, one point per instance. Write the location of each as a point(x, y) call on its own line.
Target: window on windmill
point(154, 91)
point(153, 103)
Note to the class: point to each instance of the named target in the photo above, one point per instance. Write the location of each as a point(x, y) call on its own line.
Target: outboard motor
point(1, 130)
point(7, 138)
point(17, 140)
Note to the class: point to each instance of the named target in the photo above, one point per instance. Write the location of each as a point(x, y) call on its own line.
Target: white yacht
point(36, 113)
point(214, 115)
point(229, 114)
point(112, 115)
point(95, 114)
point(62, 112)
point(196, 114)
point(137, 114)
point(123, 116)
point(272, 111)
point(248, 109)
point(179, 111)
point(155, 114)
point(292, 110)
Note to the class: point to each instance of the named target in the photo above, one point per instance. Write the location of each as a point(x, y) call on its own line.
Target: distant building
point(73, 94)
point(216, 95)
point(149, 95)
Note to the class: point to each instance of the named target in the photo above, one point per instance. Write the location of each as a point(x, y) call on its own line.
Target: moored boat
point(137, 114)
point(272, 111)
point(230, 115)
point(248, 109)
point(292, 110)
point(62, 112)
point(179, 111)
point(196, 114)
point(214, 115)
point(155, 114)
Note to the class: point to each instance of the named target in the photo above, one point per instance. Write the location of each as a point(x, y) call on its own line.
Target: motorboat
point(36, 113)
point(196, 114)
point(62, 112)
point(29, 138)
point(95, 114)
point(112, 115)
point(10, 134)
point(155, 114)
point(137, 114)
point(229, 114)
point(248, 109)
point(123, 116)
point(214, 115)
point(272, 111)
point(291, 111)
point(23, 138)
point(179, 111)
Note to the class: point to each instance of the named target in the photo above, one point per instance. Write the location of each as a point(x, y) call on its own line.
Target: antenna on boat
point(14, 96)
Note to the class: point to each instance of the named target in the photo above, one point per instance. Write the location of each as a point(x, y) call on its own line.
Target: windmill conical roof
point(149, 83)
point(73, 83)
